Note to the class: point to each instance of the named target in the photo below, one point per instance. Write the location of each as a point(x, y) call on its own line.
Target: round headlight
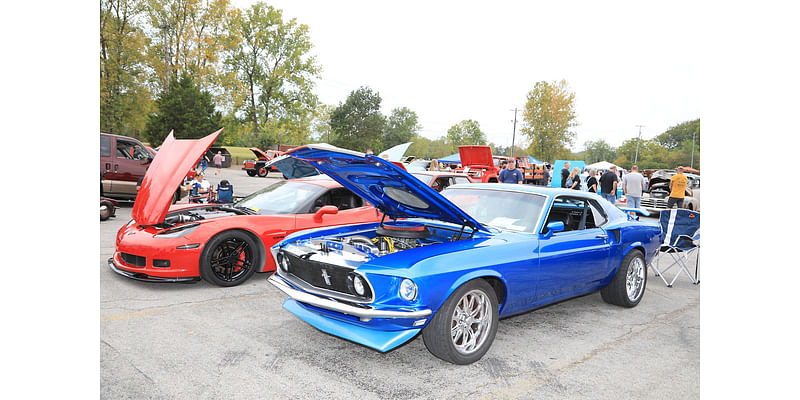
point(358, 285)
point(408, 289)
point(283, 261)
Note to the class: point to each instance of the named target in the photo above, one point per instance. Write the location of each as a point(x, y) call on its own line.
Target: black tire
point(177, 196)
point(250, 172)
point(263, 171)
point(437, 335)
point(106, 210)
point(229, 259)
point(617, 292)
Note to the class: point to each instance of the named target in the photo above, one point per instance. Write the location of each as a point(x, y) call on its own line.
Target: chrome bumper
point(365, 314)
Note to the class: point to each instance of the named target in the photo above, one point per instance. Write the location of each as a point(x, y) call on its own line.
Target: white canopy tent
point(600, 165)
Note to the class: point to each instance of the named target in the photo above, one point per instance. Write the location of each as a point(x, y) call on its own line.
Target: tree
point(358, 123)
point(548, 117)
point(272, 61)
point(401, 127)
point(185, 109)
point(466, 132)
point(598, 150)
point(124, 97)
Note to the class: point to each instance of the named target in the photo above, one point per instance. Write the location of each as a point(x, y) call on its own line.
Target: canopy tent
point(600, 165)
point(451, 159)
point(534, 161)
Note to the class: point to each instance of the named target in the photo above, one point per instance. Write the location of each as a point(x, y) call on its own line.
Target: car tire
point(229, 258)
point(628, 286)
point(106, 210)
point(263, 171)
point(438, 334)
point(251, 173)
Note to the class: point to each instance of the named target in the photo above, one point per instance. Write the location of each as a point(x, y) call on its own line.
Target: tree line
point(193, 66)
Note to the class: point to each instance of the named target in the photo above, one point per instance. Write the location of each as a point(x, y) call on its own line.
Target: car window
point(576, 213)
point(105, 146)
point(426, 179)
point(499, 208)
point(461, 179)
point(283, 197)
point(342, 198)
point(131, 150)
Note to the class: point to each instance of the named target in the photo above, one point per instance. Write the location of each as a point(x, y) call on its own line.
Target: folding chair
point(224, 192)
point(680, 232)
point(194, 197)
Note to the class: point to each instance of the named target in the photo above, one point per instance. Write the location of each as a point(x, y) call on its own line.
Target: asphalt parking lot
point(164, 340)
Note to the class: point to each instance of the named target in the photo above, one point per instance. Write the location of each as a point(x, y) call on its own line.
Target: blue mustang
point(451, 264)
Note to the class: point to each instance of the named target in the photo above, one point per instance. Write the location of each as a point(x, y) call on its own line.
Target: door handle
point(116, 167)
point(602, 236)
point(108, 166)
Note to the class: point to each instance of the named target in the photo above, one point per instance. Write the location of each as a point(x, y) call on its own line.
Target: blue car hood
point(394, 191)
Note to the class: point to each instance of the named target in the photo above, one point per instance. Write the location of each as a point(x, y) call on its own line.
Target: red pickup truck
point(479, 163)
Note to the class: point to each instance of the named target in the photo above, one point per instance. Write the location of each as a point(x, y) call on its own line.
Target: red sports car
point(221, 243)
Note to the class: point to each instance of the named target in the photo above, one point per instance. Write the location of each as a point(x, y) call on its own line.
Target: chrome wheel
point(634, 282)
point(471, 322)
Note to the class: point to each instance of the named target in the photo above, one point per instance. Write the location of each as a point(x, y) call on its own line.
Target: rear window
point(105, 146)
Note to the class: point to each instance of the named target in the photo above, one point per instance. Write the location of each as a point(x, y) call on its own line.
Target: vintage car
point(223, 244)
point(440, 180)
point(655, 198)
point(258, 166)
point(479, 163)
point(451, 264)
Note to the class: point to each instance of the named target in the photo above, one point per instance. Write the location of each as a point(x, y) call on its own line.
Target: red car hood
point(475, 155)
point(165, 174)
point(260, 154)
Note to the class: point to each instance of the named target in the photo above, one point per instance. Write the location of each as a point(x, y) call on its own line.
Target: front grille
point(314, 273)
point(654, 203)
point(134, 260)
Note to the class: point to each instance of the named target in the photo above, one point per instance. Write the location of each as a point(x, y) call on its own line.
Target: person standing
point(565, 175)
point(591, 182)
point(510, 174)
point(632, 187)
point(608, 184)
point(218, 162)
point(677, 187)
point(574, 180)
point(584, 178)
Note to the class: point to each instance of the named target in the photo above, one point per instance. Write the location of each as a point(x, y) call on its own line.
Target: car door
point(572, 260)
point(352, 210)
point(107, 144)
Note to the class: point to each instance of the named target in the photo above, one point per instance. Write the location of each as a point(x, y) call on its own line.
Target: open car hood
point(165, 174)
point(389, 188)
point(260, 154)
point(475, 155)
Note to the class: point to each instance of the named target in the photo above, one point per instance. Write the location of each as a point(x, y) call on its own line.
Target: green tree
point(358, 124)
point(401, 127)
point(271, 59)
point(185, 109)
point(598, 150)
point(124, 96)
point(548, 118)
point(466, 132)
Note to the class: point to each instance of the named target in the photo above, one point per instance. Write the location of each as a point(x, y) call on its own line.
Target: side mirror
point(553, 227)
point(325, 210)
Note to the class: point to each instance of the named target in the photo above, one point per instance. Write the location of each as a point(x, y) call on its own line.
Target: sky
point(629, 64)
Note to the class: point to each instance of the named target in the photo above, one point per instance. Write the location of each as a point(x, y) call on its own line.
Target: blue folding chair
point(680, 234)
point(224, 192)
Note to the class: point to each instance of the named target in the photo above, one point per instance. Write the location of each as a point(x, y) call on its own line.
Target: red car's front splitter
point(147, 278)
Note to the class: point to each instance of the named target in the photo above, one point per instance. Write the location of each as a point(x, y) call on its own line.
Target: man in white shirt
point(633, 184)
point(203, 187)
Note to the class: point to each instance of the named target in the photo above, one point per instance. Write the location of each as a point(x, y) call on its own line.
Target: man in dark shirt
point(608, 184)
point(565, 175)
point(546, 176)
point(510, 174)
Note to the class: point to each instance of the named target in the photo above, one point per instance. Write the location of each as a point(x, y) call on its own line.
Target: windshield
point(284, 197)
point(426, 179)
point(418, 165)
point(499, 208)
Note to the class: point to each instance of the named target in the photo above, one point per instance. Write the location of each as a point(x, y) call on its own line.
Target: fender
point(480, 273)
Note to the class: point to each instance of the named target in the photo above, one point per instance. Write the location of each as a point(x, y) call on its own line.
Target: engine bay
point(197, 214)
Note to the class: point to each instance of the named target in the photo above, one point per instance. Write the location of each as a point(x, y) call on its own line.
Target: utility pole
point(513, 135)
point(636, 158)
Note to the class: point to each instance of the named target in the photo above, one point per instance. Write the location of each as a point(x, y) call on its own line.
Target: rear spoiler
point(636, 210)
